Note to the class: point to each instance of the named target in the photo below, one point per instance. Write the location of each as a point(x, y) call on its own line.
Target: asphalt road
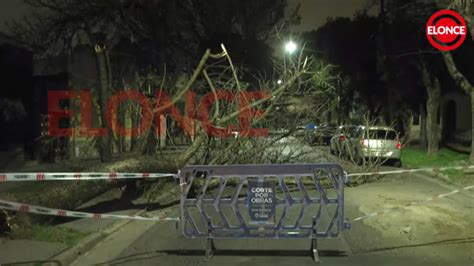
point(148, 250)
point(151, 243)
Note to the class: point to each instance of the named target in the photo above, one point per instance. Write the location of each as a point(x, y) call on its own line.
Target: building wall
point(455, 119)
point(456, 106)
point(463, 110)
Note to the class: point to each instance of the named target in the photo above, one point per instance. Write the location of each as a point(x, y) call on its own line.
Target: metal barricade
point(262, 201)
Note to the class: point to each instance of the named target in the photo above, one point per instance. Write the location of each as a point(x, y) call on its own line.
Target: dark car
point(340, 138)
point(322, 134)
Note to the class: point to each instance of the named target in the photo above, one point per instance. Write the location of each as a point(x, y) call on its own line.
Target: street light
point(279, 81)
point(290, 47)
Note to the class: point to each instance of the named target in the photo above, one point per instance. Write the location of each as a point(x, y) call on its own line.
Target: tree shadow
point(125, 202)
point(120, 204)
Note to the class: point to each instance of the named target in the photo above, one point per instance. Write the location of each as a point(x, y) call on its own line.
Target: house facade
point(454, 121)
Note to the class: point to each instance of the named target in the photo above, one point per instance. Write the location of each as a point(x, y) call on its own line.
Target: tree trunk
point(122, 140)
point(422, 127)
point(135, 120)
point(432, 107)
point(433, 89)
point(466, 86)
point(151, 140)
point(105, 144)
point(471, 157)
point(407, 122)
point(464, 7)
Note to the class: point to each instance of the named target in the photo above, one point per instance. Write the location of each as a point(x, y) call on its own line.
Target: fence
point(269, 201)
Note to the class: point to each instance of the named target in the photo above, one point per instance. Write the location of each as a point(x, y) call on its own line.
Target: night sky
point(314, 12)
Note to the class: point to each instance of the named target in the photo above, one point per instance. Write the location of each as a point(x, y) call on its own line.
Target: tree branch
point(458, 77)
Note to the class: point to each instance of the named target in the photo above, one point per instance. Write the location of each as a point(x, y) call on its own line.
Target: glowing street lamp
point(290, 47)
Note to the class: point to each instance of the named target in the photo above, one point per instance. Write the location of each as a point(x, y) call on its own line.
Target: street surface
point(440, 232)
point(437, 233)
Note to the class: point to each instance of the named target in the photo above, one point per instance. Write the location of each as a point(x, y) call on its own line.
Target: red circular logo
point(446, 30)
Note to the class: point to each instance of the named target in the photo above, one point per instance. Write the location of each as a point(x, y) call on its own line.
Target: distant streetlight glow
point(279, 81)
point(290, 47)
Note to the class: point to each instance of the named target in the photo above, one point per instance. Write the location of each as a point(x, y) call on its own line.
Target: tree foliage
point(156, 32)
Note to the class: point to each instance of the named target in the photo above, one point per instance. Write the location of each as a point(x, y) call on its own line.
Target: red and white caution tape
point(439, 196)
point(405, 171)
point(4, 177)
point(26, 208)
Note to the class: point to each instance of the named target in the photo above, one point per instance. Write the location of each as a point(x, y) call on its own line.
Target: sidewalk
point(458, 147)
point(13, 251)
point(111, 201)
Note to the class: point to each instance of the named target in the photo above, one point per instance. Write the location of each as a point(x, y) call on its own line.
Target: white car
point(375, 143)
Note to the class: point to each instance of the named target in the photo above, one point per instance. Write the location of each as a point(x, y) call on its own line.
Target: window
point(382, 134)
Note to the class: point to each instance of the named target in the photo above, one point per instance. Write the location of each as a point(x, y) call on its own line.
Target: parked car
point(304, 131)
point(338, 141)
point(322, 134)
point(374, 143)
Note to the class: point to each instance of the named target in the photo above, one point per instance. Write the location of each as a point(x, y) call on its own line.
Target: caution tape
point(26, 208)
point(405, 171)
point(4, 177)
point(397, 208)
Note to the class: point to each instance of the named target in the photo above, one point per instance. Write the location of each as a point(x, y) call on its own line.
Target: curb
point(441, 176)
point(435, 178)
point(69, 255)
